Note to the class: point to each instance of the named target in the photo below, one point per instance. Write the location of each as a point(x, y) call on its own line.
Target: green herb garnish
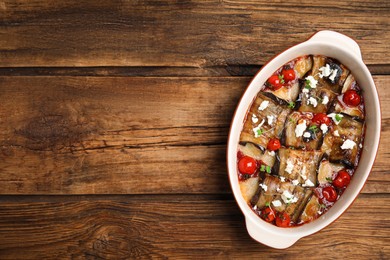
point(307, 84)
point(281, 78)
point(338, 117)
point(262, 168)
point(268, 169)
point(260, 132)
point(267, 204)
point(329, 179)
point(291, 105)
point(313, 128)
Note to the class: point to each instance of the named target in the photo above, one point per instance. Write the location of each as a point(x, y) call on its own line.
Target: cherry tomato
point(247, 165)
point(239, 155)
point(275, 82)
point(288, 75)
point(351, 98)
point(283, 219)
point(268, 214)
point(329, 194)
point(321, 118)
point(273, 144)
point(342, 179)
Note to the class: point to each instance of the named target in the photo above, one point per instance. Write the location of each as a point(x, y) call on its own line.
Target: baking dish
point(347, 51)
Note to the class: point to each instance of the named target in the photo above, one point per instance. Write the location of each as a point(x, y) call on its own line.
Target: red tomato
point(329, 194)
point(283, 219)
point(268, 214)
point(273, 144)
point(342, 179)
point(288, 75)
point(275, 82)
point(321, 118)
point(351, 98)
point(247, 165)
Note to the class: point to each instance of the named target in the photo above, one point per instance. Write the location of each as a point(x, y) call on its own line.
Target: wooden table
point(114, 118)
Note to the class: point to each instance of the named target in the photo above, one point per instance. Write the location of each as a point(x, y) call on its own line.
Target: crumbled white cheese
point(334, 74)
point(295, 182)
point(255, 119)
point(308, 183)
point(257, 129)
point(324, 128)
point(348, 144)
point(277, 203)
point(303, 172)
point(300, 128)
point(263, 186)
point(336, 133)
point(325, 100)
point(325, 71)
point(255, 207)
point(289, 167)
point(312, 101)
point(305, 90)
point(287, 197)
point(278, 189)
point(319, 212)
point(263, 105)
point(312, 81)
point(306, 134)
point(360, 146)
point(272, 153)
point(282, 179)
point(334, 115)
point(270, 119)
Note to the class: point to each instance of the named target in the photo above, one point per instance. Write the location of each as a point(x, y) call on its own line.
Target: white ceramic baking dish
point(347, 51)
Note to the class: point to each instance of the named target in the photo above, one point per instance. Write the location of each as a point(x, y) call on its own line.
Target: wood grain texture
point(180, 33)
point(173, 227)
point(102, 135)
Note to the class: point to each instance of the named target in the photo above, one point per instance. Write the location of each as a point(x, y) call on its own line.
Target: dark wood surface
point(114, 118)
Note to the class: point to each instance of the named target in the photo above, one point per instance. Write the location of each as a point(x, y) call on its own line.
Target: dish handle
point(269, 238)
point(342, 40)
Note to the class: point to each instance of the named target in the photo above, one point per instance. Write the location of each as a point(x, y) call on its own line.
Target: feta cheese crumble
point(312, 101)
point(324, 128)
point(289, 167)
point(308, 183)
point(312, 81)
point(276, 203)
point(287, 197)
point(306, 134)
point(336, 117)
point(325, 71)
point(272, 153)
point(303, 172)
point(282, 179)
point(295, 182)
point(263, 186)
point(334, 74)
point(255, 119)
point(257, 130)
point(336, 133)
point(270, 119)
point(300, 128)
point(263, 105)
point(348, 144)
point(325, 100)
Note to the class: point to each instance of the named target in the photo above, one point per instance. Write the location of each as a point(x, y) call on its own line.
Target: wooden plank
point(173, 227)
point(179, 33)
point(101, 135)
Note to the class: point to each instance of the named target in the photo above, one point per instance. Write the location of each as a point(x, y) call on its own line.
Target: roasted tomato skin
point(288, 75)
point(342, 179)
point(268, 214)
point(247, 165)
point(273, 144)
point(275, 82)
point(351, 98)
point(321, 118)
point(282, 219)
point(329, 193)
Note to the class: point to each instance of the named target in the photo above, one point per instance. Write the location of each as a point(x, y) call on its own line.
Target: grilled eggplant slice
point(327, 170)
point(310, 138)
point(299, 165)
point(341, 144)
point(265, 120)
point(290, 92)
point(327, 72)
point(312, 210)
point(283, 196)
point(316, 100)
point(255, 152)
point(249, 187)
point(340, 106)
